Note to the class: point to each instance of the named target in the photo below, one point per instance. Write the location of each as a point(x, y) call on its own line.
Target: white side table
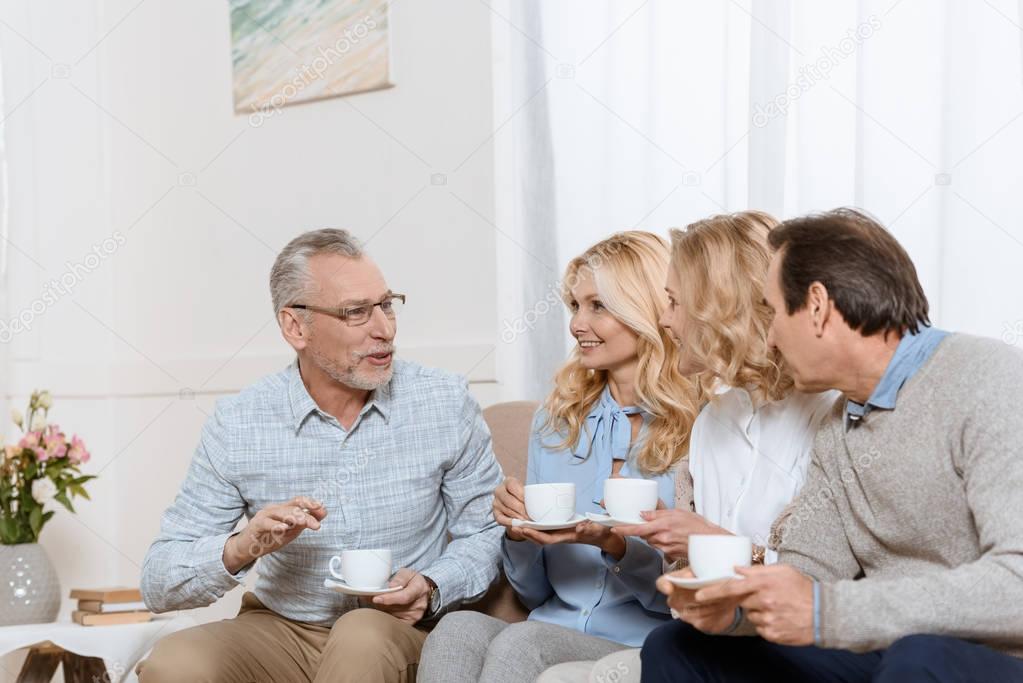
point(89, 653)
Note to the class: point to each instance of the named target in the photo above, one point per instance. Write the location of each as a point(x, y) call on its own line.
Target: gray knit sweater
point(912, 520)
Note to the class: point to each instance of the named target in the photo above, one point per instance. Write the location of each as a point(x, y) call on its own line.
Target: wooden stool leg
point(39, 666)
point(79, 669)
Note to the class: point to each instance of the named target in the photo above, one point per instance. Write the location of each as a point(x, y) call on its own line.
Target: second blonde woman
point(620, 407)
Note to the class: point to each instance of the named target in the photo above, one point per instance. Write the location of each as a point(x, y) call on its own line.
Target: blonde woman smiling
point(620, 407)
point(751, 443)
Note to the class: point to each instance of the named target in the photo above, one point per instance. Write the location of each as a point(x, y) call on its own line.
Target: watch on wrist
point(434, 604)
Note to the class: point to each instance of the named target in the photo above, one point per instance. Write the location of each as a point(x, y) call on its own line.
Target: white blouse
point(748, 462)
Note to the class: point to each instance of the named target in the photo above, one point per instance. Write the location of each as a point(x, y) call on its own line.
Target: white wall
point(137, 136)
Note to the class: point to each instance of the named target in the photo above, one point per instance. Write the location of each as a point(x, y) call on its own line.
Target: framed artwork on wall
point(289, 51)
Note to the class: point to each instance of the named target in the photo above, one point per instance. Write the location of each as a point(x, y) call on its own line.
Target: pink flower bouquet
point(43, 466)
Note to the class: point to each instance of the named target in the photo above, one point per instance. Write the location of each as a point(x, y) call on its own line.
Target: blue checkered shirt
point(416, 464)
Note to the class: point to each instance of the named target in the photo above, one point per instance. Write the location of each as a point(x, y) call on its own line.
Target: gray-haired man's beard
point(355, 375)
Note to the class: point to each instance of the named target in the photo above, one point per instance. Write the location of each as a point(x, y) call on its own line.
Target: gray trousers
point(618, 667)
point(469, 647)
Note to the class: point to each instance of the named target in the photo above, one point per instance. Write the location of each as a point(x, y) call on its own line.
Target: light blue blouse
point(577, 585)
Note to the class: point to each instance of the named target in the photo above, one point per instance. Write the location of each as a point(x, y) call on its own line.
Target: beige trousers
point(259, 645)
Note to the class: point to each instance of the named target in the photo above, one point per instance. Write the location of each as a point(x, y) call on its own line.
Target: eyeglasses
point(353, 316)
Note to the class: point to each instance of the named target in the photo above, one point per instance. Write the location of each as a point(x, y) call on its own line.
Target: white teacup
point(362, 568)
point(715, 555)
point(550, 503)
point(624, 499)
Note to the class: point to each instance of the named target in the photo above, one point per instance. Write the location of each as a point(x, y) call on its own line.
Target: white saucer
point(342, 587)
point(608, 520)
point(695, 583)
point(540, 526)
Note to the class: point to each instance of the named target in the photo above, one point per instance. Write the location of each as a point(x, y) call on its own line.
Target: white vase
point(29, 588)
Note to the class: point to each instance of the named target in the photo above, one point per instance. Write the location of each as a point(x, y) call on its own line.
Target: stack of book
point(108, 606)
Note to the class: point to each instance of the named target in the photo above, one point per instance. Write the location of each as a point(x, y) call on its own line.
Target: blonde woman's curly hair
point(721, 264)
point(629, 270)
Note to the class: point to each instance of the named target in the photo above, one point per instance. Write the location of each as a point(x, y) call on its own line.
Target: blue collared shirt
point(910, 355)
point(416, 464)
point(575, 585)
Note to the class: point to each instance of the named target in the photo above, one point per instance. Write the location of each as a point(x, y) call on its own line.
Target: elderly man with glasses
point(346, 448)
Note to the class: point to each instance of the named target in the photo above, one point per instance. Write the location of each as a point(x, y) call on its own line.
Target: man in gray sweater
point(902, 558)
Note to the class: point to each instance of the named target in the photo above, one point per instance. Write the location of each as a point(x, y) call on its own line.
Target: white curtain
point(5, 355)
point(617, 115)
point(525, 206)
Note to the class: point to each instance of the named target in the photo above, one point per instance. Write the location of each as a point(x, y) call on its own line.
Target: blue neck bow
point(607, 429)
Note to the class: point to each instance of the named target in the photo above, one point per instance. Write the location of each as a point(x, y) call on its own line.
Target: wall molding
point(211, 375)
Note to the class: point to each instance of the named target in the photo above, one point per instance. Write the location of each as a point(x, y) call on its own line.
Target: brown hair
point(867, 273)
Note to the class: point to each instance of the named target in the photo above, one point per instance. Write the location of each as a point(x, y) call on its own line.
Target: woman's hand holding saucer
point(587, 533)
point(669, 530)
